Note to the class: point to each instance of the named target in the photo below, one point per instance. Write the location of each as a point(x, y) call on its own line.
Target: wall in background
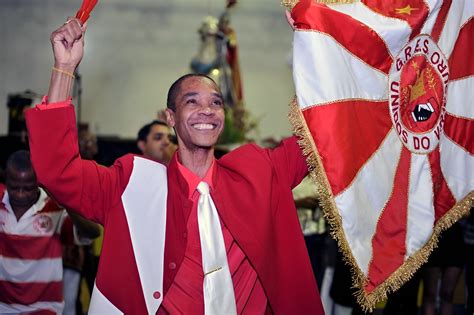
point(136, 49)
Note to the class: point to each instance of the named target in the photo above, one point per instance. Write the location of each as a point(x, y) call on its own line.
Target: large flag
point(385, 108)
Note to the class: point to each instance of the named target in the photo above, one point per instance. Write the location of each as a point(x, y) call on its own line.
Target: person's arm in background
point(84, 227)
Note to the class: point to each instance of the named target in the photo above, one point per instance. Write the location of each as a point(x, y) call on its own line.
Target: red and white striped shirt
point(31, 270)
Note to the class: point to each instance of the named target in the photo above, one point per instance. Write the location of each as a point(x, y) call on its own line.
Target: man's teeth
point(204, 126)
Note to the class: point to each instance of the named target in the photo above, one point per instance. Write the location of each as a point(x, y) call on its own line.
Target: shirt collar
point(193, 180)
point(37, 206)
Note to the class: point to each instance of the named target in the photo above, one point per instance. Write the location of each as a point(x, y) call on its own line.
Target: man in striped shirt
point(31, 271)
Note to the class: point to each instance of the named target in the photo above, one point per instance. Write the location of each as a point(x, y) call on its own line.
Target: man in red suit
point(152, 257)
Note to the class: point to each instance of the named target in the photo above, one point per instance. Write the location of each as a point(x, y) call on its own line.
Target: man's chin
point(205, 143)
point(21, 204)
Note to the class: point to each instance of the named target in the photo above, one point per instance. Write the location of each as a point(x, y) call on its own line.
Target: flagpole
point(77, 93)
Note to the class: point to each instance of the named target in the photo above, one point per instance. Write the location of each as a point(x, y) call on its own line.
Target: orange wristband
point(64, 72)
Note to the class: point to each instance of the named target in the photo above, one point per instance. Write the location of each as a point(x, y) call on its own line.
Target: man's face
point(156, 144)
point(87, 145)
point(22, 188)
point(199, 116)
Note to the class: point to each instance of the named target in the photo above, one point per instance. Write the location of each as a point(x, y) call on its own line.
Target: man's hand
point(68, 45)
point(68, 48)
point(85, 228)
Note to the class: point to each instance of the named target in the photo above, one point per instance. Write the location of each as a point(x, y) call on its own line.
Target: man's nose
point(20, 194)
point(207, 110)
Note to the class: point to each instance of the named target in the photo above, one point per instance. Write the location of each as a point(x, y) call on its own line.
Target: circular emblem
point(43, 224)
point(417, 94)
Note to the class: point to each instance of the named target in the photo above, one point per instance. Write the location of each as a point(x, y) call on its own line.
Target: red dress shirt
point(185, 295)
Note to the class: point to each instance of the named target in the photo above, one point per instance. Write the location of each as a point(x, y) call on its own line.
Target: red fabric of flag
point(384, 106)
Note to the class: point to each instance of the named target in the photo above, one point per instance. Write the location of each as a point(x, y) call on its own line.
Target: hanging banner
point(385, 110)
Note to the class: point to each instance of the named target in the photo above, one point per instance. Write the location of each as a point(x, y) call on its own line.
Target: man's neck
point(197, 161)
point(19, 212)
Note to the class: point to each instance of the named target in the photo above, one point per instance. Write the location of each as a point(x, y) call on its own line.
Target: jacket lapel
point(144, 202)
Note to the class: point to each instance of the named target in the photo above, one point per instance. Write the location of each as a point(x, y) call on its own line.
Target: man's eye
point(191, 101)
point(218, 102)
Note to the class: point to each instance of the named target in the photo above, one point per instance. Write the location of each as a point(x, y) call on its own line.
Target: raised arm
point(289, 161)
point(79, 185)
point(68, 48)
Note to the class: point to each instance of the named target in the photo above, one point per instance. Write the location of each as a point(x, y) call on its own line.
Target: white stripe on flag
point(23, 270)
point(360, 205)
point(318, 69)
point(460, 91)
point(420, 216)
point(459, 13)
point(435, 6)
point(395, 32)
point(458, 168)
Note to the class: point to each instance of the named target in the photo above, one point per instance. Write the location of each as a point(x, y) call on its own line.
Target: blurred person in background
point(155, 141)
point(33, 227)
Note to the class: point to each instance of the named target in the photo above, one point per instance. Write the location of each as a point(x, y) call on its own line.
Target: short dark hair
point(176, 87)
point(145, 130)
point(19, 161)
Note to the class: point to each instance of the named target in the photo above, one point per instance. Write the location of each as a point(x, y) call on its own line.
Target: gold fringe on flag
point(405, 272)
point(290, 4)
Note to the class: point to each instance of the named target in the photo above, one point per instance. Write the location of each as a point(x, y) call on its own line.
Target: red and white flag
point(385, 105)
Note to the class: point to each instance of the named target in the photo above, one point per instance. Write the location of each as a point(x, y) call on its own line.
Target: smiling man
point(201, 236)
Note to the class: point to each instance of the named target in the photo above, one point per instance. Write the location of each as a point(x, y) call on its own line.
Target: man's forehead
point(85, 134)
point(198, 83)
point(160, 129)
point(14, 174)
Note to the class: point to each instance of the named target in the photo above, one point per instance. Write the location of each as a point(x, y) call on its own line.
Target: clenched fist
point(68, 45)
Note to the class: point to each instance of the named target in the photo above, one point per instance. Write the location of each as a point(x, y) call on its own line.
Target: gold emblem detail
point(418, 89)
point(406, 10)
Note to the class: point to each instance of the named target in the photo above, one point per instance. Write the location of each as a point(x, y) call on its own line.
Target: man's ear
point(141, 146)
point(170, 119)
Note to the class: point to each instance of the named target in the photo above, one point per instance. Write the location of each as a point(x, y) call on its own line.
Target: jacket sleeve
point(79, 185)
point(289, 161)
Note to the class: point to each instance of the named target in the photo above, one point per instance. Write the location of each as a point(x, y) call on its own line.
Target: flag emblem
point(417, 94)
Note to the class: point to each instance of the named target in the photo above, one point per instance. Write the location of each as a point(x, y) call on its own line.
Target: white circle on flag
point(417, 87)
